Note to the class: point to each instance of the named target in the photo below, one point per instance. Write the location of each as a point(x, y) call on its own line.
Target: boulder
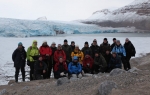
point(106, 87)
point(117, 71)
point(62, 81)
point(133, 69)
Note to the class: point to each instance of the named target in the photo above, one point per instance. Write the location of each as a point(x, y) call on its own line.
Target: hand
point(44, 71)
point(62, 74)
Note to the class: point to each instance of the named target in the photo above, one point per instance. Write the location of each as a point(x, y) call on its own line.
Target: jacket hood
point(33, 45)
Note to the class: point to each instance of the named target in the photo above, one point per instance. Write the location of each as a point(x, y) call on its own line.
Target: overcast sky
point(64, 10)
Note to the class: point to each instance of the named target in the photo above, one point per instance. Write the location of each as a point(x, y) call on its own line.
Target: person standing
point(46, 52)
point(72, 45)
point(19, 59)
point(32, 57)
point(40, 68)
point(119, 49)
point(59, 53)
point(67, 50)
point(53, 48)
point(104, 46)
point(60, 69)
point(114, 43)
point(77, 52)
point(94, 47)
point(130, 51)
point(87, 49)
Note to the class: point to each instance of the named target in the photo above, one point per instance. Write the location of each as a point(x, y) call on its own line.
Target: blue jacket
point(115, 62)
point(74, 69)
point(119, 50)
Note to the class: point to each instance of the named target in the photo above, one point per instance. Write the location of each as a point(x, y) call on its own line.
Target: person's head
point(118, 42)
point(53, 44)
point(127, 40)
point(65, 42)
point(76, 47)
point(75, 59)
point(44, 43)
point(94, 42)
point(105, 40)
point(40, 58)
point(60, 59)
point(72, 43)
point(59, 47)
point(34, 43)
point(114, 54)
point(20, 45)
point(96, 54)
point(86, 44)
point(107, 52)
point(114, 40)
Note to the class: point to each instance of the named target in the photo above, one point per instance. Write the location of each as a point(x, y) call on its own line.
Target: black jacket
point(72, 48)
point(107, 58)
point(94, 48)
point(87, 50)
point(53, 50)
point(19, 58)
point(39, 66)
point(130, 49)
point(112, 46)
point(67, 50)
point(104, 47)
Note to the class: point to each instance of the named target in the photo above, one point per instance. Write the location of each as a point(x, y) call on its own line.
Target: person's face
point(114, 41)
point(126, 40)
point(45, 43)
point(75, 60)
point(73, 44)
point(76, 48)
point(114, 55)
point(20, 46)
point(60, 60)
point(40, 58)
point(107, 52)
point(53, 45)
point(105, 41)
point(86, 45)
point(118, 43)
point(35, 43)
point(59, 47)
point(96, 55)
point(86, 56)
point(65, 43)
point(94, 42)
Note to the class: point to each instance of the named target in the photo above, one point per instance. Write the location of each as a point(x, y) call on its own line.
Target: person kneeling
point(115, 62)
point(40, 69)
point(87, 64)
point(60, 69)
point(74, 67)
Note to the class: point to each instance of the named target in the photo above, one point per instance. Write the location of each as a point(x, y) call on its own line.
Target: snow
point(138, 2)
point(29, 28)
point(8, 45)
point(42, 18)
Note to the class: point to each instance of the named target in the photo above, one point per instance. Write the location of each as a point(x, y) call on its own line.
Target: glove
point(62, 74)
point(28, 62)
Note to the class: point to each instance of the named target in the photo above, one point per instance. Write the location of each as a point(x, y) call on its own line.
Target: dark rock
point(116, 71)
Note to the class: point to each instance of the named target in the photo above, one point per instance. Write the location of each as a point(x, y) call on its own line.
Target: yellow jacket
point(79, 54)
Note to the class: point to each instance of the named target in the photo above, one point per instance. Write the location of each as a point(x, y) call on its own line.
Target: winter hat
point(86, 43)
point(118, 41)
point(34, 41)
point(75, 58)
point(65, 40)
point(105, 39)
point(53, 43)
point(20, 44)
point(127, 39)
point(59, 45)
point(45, 41)
point(114, 38)
point(76, 45)
point(72, 42)
point(94, 40)
point(114, 53)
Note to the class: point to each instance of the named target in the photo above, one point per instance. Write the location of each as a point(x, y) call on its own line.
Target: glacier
point(29, 28)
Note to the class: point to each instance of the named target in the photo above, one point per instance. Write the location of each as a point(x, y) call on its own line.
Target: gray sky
point(64, 10)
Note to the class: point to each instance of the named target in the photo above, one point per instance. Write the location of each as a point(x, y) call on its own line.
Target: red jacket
point(45, 50)
point(56, 67)
point(59, 53)
point(87, 61)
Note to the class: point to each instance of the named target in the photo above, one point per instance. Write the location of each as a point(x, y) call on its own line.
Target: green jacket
point(100, 60)
point(32, 52)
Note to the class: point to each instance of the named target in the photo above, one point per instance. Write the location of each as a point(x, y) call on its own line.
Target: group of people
point(65, 60)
